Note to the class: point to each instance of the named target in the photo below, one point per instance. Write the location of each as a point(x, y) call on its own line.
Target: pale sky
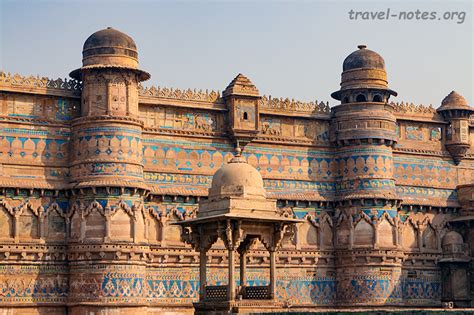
point(288, 49)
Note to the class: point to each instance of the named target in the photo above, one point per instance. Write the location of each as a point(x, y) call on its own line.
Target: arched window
point(377, 98)
point(246, 116)
point(361, 98)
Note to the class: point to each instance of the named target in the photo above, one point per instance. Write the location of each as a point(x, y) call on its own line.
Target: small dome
point(361, 70)
point(363, 59)
point(452, 238)
point(235, 179)
point(109, 48)
point(109, 38)
point(454, 100)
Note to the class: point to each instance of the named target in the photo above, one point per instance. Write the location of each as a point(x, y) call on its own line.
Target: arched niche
point(154, 226)
point(55, 225)
point(343, 233)
point(386, 233)
point(308, 234)
point(139, 228)
point(429, 238)
point(377, 98)
point(326, 234)
point(121, 226)
point(95, 226)
point(361, 98)
point(409, 236)
point(28, 227)
point(6, 223)
point(363, 233)
point(76, 219)
point(171, 232)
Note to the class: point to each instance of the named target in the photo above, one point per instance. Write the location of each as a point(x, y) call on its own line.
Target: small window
point(377, 98)
point(361, 98)
point(246, 116)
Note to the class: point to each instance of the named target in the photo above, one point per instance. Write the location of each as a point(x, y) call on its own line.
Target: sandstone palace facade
point(97, 172)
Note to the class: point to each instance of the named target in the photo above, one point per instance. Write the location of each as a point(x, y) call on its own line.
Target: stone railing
point(27, 83)
point(256, 293)
point(191, 95)
point(287, 105)
point(216, 293)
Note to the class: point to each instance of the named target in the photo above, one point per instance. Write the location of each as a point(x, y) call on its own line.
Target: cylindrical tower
point(107, 238)
point(363, 128)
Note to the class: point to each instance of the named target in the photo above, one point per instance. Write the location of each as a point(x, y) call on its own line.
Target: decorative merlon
point(17, 80)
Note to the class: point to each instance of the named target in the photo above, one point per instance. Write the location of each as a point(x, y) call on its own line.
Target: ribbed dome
point(237, 178)
point(452, 238)
point(454, 100)
point(363, 59)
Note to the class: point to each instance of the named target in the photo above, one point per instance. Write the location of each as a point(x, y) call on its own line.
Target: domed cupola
point(237, 190)
point(237, 178)
point(364, 114)
point(363, 78)
point(452, 103)
point(456, 110)
point(109, 48)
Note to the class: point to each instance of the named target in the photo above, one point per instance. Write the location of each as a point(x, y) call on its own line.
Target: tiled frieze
point(363, 285)
point(421, 287)
point(107, 284)
point(303, 286)
point(37, 147)
point(105, 148)
point(420, 171)
point(201, 158)
point(33, 284)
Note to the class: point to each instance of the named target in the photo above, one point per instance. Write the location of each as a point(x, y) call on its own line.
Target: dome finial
point(362, 46)
point(238, 152)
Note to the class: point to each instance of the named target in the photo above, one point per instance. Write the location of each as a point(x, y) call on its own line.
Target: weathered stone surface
point(95, 173)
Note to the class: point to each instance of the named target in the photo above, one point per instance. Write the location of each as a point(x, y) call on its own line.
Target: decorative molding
point(287, 105)
point(403, 107)
point(173, 93)
point(26, 83)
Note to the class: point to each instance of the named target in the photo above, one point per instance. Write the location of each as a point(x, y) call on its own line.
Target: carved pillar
point(135, 226)
point(16, 231)
point(83, 227)
point(419, 237)
point(67, 221)
point(107, 227)
point(41, 221)
point(202, 274)
point(397, 240)
point(272, 274)
point(243, 267)
point(231, 286)
point(376, 236)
